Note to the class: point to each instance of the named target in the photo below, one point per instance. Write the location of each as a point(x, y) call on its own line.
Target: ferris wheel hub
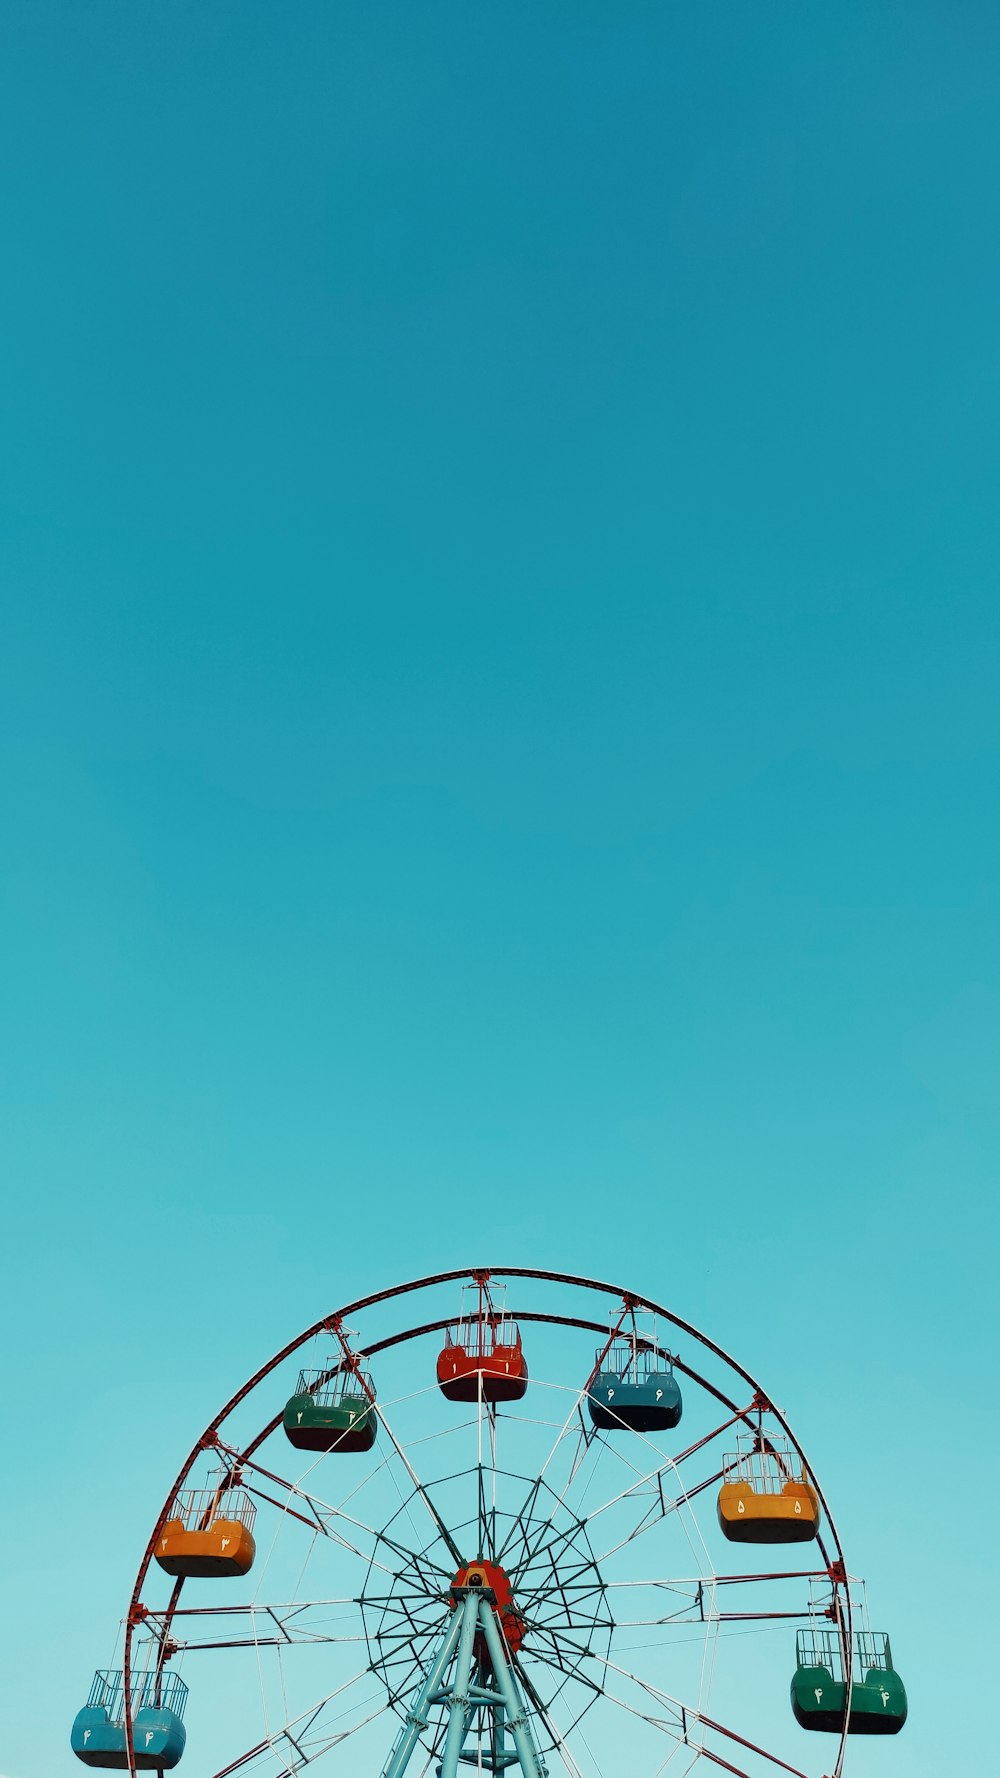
point(492, 1583)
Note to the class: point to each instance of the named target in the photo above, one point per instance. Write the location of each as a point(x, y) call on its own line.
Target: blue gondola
point(158, 1734)
point(634, 1390)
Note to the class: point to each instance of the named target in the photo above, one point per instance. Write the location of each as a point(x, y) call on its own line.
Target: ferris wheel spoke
point(719, 1728)
point(671, 1464)
point(671, 1460)
point(545, 1715)
point(720, 1580)
point(656, 1507)
point(324, 1519)
point(575, 1413)
point(295, 1734)
point(574, 1420)
point(676, 1731)
point(283, 1625)
point(655, 1514)
point(486, 1474)
point(572, 1425)
point(610, 1666)
point(687, 1713)
point(666, 1724)
point(616, 1451)
point(443, 1531)
point(573, 1605)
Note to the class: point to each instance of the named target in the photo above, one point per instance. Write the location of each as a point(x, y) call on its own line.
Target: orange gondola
point(209, 1533)
point(765, 1497)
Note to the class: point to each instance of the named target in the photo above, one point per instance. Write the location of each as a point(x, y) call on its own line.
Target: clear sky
point(499, 734)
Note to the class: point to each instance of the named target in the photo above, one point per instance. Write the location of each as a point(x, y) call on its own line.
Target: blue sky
point(499, 731)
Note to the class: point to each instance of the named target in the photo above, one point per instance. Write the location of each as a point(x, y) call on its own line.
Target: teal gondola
point(634, 1390)
point(98, 1735)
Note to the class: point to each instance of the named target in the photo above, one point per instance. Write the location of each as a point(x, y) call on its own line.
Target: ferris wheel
point(399, 1550)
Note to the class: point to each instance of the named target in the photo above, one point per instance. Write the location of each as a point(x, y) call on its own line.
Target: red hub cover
point(488, 1574)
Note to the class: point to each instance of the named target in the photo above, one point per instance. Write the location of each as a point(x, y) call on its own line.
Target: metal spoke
point(686, 1711)
point(557, 1739)
point(668, 1463)
point(632, 1491)
point(284, 1625)
point(603, 1692)
point(443, 1531)
point(303, 1724)
point(721, 1580)
point(653, 1518)
point(322, 1511)
point(616, 1450)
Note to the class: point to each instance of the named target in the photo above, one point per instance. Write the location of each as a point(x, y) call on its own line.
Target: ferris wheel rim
point(837, 1571)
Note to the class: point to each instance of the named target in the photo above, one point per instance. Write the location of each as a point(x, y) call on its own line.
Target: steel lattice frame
point(566, 1589)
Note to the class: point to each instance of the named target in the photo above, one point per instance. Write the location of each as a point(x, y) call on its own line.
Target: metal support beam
point(459, 1714)
point(464, 1693)
point(520, 1727)
point(418, 1719)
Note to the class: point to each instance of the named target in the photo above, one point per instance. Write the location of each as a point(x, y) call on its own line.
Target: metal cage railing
point(198, 1508)
point(766, 1470)
point(825, 1648)
point(329, 1392)
point(633, 1362)
point(479, 1336)
point(165, 1691)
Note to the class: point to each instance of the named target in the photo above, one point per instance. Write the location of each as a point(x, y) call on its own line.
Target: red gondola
point(482, 1358)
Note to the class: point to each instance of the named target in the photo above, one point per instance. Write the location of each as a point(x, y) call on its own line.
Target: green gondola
point(331, 1413)
point(819, 1686)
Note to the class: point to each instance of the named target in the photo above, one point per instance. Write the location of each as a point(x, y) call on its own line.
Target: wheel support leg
point(458, 1701)
point(466, 1693)
point(507, 1686)
point(497, 1738)
point(418, 1719)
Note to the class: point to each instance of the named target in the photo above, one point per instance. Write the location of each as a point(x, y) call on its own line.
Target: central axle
point(493, 1585)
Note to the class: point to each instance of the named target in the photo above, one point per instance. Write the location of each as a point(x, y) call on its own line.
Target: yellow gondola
point(208, 1533)
point(766, 1497)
